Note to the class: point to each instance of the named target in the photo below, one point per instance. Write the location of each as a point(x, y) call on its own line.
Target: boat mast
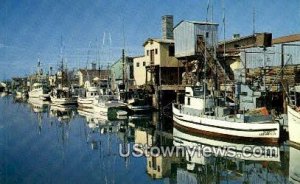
point(224, 50)
point(205, 58)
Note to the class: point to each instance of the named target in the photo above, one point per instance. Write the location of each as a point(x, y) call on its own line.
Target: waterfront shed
point(188, 33)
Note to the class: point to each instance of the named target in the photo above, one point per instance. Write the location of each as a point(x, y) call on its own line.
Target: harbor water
point(40, 143)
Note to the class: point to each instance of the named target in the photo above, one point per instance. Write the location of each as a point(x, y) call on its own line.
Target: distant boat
point(39, 90)
point(199, 115)
point(104, 103)
point(90, 95)
point(139, 101)
point(63, 96)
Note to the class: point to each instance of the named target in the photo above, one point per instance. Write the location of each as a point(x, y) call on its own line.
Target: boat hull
point(85, 102)
point(261, 132)
point(294, 125)
point(39, 93)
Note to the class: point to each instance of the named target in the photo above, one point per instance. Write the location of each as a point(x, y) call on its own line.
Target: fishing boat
point(106, 103)
point(63, 96)
point(39, 90)
point(139, 101)
point(294, 115)
point(198, 114)
point(86, 101)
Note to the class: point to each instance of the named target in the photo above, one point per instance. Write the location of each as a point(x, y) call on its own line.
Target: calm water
point(43, 144)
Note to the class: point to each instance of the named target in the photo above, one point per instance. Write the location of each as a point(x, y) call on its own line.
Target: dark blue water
point(42, 145)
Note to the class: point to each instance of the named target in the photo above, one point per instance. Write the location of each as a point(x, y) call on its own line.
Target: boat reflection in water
point(38, 105)
point(242, 163)
point(64, 113)
point(98, 124)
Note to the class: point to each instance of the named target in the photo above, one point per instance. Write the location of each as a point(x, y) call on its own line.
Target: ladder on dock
point(292, 96)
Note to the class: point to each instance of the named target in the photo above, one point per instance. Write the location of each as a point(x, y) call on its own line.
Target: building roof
point(139, 56)
point(159, 40)
point(196, 22)
point(286, 39)
point(95, 73)
point(239, 38)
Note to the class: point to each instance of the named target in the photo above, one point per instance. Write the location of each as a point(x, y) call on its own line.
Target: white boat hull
point(38, 93)
point(294, 125)
point(86, 102)
point(265, 132)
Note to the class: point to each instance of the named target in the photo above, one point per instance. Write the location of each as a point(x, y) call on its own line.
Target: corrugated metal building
point(254, 57)
point(187, 34)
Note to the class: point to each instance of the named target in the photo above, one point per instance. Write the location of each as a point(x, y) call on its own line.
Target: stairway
point(220, 71)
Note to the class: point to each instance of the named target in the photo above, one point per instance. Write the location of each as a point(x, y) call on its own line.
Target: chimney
point(167, 27)
point(93, 66)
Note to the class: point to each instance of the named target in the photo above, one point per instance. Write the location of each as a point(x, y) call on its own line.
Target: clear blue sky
point(32, 29)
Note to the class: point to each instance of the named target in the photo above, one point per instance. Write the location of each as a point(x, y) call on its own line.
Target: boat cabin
point(194, 98)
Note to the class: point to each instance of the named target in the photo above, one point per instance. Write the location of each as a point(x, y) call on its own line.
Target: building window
point(150, 164)
point(137, 64)
point(155, 51)
point(207, 34)
point(171, 50)
point(144, 63)
point(189, 101)
point(147, 52)
point(158, 168)
point(152, 56)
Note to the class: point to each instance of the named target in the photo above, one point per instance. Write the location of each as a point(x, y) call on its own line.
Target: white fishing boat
point(104, 103)
point(198, 114)
point(39, 90)
point(87, 100)
point(139, 101)
point(63, 96)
